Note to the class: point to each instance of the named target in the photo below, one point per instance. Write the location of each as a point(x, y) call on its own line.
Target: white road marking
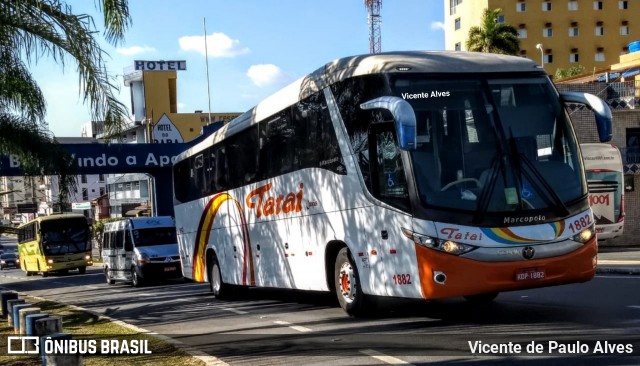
point(616, 262)
point(384, 358)
point(235, 311)
point(634, 306)
point(294, 327)
point(617, 277)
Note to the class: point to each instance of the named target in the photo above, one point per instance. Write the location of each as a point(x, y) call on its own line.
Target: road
point(283, 327)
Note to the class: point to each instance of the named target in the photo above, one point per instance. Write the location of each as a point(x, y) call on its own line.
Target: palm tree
point(29, 31)
point(493, 37)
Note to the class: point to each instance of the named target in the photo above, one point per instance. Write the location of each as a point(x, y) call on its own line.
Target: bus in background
point(605, 180)
point(56, 243)
point(409, 174)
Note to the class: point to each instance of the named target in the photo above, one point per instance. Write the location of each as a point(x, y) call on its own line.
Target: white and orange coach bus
point(605, 181)
point(410, 174)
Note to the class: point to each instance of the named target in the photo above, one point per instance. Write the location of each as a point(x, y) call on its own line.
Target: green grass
point(78, 322)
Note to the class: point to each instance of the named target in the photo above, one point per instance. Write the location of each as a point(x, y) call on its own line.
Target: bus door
point(119, 253)
point(225, 235)
point(108, 252)
point(389, 185)
point(129, 254)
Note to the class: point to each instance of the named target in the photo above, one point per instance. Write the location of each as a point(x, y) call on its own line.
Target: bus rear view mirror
point(600, 109)
point(403, 115)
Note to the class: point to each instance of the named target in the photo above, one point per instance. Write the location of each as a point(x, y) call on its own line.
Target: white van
point(141, 249)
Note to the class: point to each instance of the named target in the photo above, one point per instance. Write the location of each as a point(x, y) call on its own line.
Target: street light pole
point(539, 46)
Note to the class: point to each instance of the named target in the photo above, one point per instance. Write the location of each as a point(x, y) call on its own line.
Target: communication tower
point(373, 8)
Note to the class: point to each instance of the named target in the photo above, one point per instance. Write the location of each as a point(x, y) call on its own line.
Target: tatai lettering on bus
point(268, 205)
point(457, 234)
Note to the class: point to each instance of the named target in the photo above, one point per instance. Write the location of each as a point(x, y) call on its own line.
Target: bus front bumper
point(152, 271)
point(471, 277)
point(59, 265)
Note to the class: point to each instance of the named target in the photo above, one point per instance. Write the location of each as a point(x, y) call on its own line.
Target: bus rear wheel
point(348, 290)
point(110, 281)
point(217, 286)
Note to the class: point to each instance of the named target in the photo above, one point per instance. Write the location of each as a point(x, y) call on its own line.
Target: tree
point(572, 71)
point(493, 37)
point(97, 231)
point(29, 31)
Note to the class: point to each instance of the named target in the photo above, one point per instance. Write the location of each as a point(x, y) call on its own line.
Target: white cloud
point(218, 45)
point(266, 74)
point(437, 25)
point(135, 50)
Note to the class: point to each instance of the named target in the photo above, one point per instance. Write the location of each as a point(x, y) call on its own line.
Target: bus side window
point(128, 244)
point(119, 242)
point(105, 240)
point(221, 170)
point(389, 180)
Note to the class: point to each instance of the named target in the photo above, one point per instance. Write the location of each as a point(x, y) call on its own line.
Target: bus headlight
point(446, 246)
point(87, 257)
point(585, 235)
point(49, 261)
point(143, 258)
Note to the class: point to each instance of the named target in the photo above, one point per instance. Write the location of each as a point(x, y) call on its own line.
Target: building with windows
point(559, 34)
point(23, 198)
point(154, 119)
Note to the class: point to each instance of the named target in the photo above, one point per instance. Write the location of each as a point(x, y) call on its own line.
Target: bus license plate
point(526, 274)
point(169, 269)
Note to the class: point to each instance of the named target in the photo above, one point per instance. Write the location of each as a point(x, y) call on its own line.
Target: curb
point(191, 351)
point(618, 270)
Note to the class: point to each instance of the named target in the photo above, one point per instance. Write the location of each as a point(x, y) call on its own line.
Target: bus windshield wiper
point(542, 185)
point(487, 191)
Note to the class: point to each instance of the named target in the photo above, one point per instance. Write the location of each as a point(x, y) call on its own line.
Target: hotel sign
point(160, 65)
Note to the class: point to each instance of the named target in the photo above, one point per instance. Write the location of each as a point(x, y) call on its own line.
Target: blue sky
point(255, 47)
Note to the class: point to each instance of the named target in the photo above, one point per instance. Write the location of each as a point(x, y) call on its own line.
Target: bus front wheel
point(348, 290)
point(136, 281)
point(217, 286)
point(82, 270)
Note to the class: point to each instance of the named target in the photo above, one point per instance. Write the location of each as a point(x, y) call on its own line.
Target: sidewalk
point(619, 260)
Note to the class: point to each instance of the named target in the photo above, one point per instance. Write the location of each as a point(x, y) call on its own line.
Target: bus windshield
point(154, 236)
point(65, 237)
point(492, 145)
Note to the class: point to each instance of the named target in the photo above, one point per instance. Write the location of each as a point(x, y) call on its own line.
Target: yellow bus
point(56, 243)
